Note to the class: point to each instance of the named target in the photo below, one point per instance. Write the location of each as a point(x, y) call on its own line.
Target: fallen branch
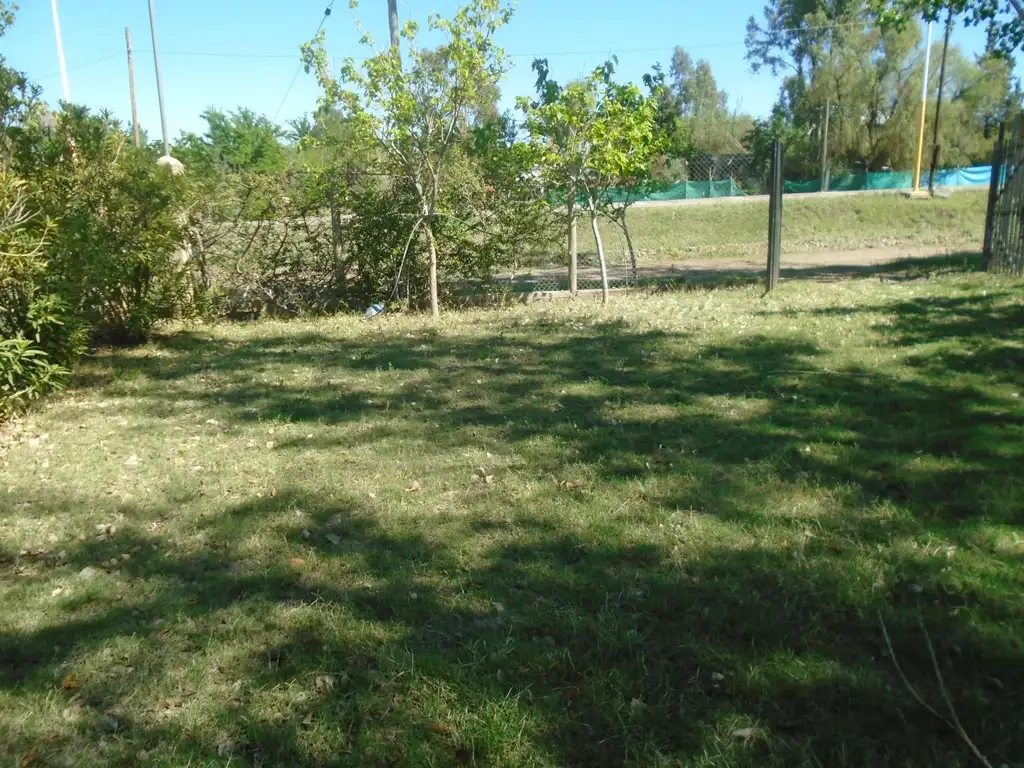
point(952, 722)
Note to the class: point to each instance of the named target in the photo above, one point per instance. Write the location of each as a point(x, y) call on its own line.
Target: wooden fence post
point(775, 217)
point(993, 196)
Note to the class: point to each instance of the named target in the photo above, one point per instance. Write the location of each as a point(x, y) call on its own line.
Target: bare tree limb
point(952, 722)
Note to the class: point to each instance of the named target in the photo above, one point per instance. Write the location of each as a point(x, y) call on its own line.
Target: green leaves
point(592, 134)
point(415, 109)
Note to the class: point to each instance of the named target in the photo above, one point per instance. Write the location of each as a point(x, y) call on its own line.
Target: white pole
point(924, 105)
point(927, 62)
point(159, 81)
point(60, 53)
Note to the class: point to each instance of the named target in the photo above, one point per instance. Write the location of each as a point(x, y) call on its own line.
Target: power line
point(327, 12)
point(84, 65)
point(660, 48)
point(231, 55)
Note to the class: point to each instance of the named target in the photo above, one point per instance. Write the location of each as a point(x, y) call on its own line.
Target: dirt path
point(852, 259)
point(838, 262)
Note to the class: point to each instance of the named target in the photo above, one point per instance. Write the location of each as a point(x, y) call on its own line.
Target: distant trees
point(1002, 19)
point(693, 117)
point(844, 69)
point(233, 141)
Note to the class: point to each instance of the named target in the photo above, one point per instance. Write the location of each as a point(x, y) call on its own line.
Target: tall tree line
point(844, 67)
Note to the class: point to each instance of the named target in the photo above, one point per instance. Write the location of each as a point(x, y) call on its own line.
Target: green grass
point(657, 534)
point(737, 230)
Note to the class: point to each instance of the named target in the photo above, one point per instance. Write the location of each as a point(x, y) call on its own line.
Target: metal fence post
point(993, 196)
point(775, 217)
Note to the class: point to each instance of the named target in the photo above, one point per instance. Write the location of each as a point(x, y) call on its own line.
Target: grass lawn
point(657, 534)
point(735, 230)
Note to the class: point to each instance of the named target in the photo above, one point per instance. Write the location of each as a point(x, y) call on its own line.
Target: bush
point(26, 374)
point(262, 243)
point(38, 342)
point(113, 250)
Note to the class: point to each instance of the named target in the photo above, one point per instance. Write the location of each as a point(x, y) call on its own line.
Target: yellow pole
point(924, 105)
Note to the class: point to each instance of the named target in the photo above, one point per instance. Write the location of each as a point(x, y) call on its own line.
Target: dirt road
point(793, 264)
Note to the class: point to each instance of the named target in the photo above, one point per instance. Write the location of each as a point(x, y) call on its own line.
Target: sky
point(244, 53)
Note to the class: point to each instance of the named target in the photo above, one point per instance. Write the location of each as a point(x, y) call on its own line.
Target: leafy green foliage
point(415, 112)
point(233, 142)
point(590, 136)
point(112, 254)
point(845, 61)
point(37, 339)
point(26, 374)
point(1002, 19)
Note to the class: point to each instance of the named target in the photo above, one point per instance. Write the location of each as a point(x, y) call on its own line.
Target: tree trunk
point(340, 270)
point(629, 245)
point(572, 242)
point(600, 254)
point(435, 309)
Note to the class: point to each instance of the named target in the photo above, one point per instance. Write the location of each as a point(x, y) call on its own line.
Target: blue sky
point(233, 53)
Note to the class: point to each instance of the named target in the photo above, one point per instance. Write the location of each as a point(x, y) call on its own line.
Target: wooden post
point(131, 88)
point(572, 243)
point(775, 217)
point(824, 147)
point(938, 106)
point(993, 196)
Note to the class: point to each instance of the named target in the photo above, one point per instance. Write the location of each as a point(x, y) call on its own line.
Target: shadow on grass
point(714, 273)
point(585, 647)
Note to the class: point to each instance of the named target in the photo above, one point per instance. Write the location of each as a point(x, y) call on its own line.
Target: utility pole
point(159, 82)
point(393, 22)
point(824, 147)
point(938, 105)
point(60, 53)
point(131, 87)
point(924, 105)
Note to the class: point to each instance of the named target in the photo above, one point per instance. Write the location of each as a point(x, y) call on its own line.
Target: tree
point(589, 137)
point(414, 109)
point(233, 142)
point(1003, 19)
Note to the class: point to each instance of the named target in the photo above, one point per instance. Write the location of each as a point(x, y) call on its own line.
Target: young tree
point(415, 109)
point(233, 142)
point(590, 136)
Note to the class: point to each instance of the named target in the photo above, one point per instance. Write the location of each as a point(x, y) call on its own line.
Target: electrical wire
point(287, 93)
point(84, 65)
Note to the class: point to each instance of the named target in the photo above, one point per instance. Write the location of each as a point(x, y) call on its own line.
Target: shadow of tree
point(707, 621)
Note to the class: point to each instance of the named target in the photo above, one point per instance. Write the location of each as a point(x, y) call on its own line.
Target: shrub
point(113, 250)
point(38, 343)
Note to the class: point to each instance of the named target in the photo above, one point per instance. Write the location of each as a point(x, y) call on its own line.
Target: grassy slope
point(697, 504)
point(733, 230)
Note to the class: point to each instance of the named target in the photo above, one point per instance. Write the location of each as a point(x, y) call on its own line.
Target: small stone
point(717, 677)
point(915, 589)
point(324, 683)
point(131, 461)
point(305, 534)
point(334, 538)
point(87, 573)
